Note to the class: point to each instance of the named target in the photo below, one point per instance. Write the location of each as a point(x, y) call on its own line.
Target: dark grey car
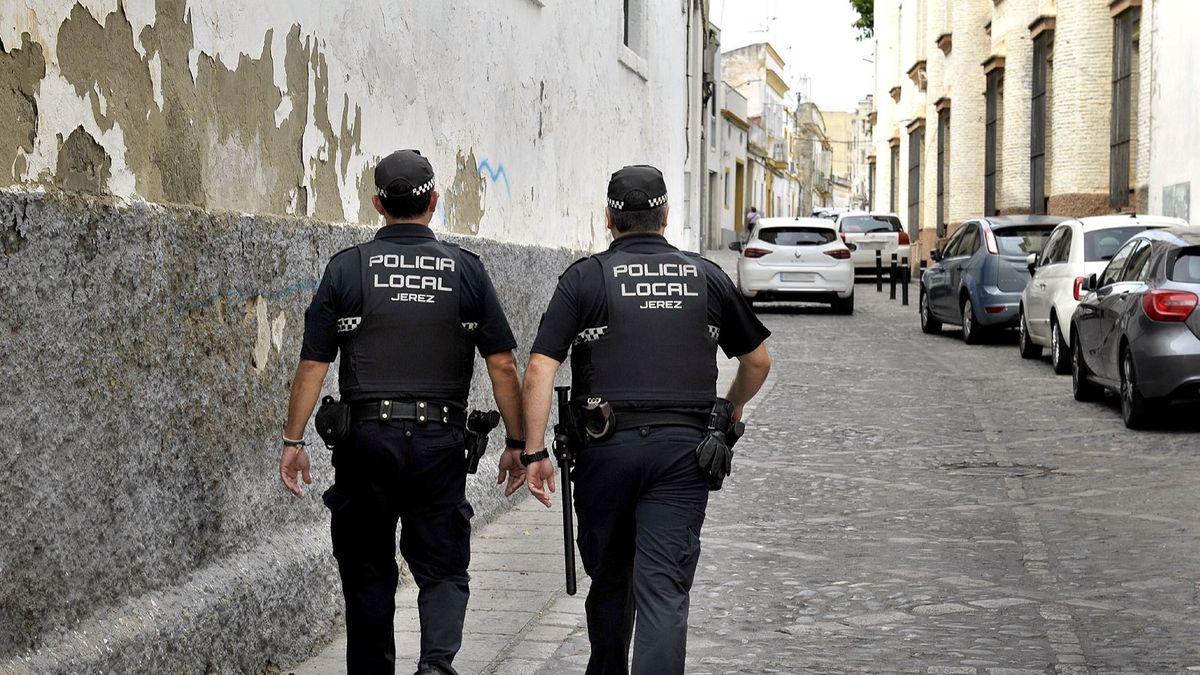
point(1138, 331)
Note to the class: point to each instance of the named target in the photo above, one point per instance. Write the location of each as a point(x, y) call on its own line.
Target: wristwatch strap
point(526, 460)
point(510, 442)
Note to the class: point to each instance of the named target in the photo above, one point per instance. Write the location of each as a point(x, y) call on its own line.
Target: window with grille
point(943, 168)
point(1040, 122)
point(895, 167)
point(995, 99)
point(916, 148)
point(1125, 27)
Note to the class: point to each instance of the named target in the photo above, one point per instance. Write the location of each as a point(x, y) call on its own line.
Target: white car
point(871, 232)
point(1075, 249)
point(800, 259)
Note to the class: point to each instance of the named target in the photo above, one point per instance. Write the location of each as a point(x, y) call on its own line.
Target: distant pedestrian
point(407, 313)
point(642, 322)
point(751, 222)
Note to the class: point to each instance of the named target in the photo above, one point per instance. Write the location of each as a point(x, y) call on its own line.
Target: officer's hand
point(738, 411)
point(536, 477)
point(511, 467)
point(294, 460)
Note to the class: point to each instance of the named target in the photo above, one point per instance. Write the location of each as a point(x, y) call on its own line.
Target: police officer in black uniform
point(642, 322)
point(406, 312)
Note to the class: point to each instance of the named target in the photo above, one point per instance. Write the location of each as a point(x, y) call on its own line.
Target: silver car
point(1137, 331)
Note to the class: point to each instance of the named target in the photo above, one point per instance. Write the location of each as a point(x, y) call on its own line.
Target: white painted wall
point(1174, 102)
point(542, 92)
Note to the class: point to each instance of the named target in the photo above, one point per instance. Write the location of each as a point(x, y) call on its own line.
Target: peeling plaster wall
point(280, 107)
point(148, 352)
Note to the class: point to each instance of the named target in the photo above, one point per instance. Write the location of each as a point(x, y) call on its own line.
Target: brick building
point(1027, 106)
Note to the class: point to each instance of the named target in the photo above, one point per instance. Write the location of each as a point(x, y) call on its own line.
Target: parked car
point(871, 232)
point(1137, 331)
point(799, 259)
point(1076, 249)
point(977, 278)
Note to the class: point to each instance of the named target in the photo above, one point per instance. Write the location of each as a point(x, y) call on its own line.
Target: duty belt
point(628, 419)
point(387, 410)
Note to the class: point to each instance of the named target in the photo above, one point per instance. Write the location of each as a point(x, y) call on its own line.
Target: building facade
point(978, 113)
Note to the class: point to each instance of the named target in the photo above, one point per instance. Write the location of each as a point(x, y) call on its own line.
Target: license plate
point(801, 277)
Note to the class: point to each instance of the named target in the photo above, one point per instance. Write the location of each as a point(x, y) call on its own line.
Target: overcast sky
point(814, 37)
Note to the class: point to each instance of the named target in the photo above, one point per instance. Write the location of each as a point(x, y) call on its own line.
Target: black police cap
point(403, 173)
point(636, 188)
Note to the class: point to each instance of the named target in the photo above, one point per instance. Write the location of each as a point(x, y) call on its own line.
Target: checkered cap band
point(348, 324)
point(614, 204)
point(658, 201)
point(590, 335)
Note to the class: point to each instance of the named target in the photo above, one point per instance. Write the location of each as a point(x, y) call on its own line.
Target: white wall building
point(524, 107)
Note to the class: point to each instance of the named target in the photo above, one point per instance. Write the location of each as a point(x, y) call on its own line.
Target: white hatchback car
point(871, 232)
point(1075, 249)
point(800, 259)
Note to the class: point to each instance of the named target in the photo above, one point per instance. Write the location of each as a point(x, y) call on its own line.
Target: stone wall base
point(1079, 205)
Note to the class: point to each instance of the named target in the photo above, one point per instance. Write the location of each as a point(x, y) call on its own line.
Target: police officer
point(642, 322)
point(406, 312)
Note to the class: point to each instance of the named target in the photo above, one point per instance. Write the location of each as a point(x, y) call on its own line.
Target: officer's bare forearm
point(306, 388)
point(506, 388)
point(538, 394)
point(751, 373)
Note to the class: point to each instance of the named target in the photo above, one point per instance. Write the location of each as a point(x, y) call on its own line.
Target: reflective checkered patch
point(614, 204)
point(470, 326)
point(658, 201)
point(348, 324)
point(590, 335)
point(714, 332)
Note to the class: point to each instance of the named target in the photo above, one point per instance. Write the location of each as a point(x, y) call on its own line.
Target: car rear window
point(1103, 244)
point(797, 236)
point(1022, 240)
point(1186, 267)
point(866, 224)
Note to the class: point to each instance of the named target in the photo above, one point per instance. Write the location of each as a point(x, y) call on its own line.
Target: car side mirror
point(735, 246)
point(935, 255)
point(1031, 263)
point(852, 247)
point(1090, 283)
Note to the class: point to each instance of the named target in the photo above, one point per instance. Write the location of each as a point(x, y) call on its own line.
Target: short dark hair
point(650, 220)
point(407, 206)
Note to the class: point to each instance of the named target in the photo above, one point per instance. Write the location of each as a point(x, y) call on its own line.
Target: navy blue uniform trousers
point(414, 474)
point(641, 498)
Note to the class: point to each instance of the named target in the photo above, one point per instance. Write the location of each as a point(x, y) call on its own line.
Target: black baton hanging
point(564, 451)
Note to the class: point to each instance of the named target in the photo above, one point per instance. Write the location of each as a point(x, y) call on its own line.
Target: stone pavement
point(901, 503)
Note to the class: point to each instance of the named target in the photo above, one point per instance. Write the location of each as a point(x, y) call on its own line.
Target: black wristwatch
point(526, 460)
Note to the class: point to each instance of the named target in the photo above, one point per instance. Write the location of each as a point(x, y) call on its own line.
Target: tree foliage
point(866, 18)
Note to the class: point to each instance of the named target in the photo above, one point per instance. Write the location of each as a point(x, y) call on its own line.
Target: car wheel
point(1134, 408)
point(929, 323)
point(1060, 353)
point(1028, 348)
point(1081, 386)
point(972, 332)
point(844, 305)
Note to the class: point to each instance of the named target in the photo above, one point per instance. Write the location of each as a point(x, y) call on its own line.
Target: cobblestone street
point(906, 503)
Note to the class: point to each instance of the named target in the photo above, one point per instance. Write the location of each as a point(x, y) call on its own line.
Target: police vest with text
point(657, 349)
point(411, 343)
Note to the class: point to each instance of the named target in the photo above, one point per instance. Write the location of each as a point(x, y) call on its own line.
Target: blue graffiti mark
point(496, 174)
point(309, 285)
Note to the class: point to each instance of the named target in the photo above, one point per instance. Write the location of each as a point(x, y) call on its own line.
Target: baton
point(564, 453)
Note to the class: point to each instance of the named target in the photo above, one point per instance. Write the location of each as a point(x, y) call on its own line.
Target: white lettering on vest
point(412, 282)
point(412, 262)
point(659, 270)
point(660, 289)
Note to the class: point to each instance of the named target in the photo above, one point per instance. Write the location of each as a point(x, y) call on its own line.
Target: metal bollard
point(892, 279)
point(904, 286)
point(878, 271)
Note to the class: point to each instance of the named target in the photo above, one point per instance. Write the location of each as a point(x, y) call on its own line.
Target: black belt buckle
point(385, 411)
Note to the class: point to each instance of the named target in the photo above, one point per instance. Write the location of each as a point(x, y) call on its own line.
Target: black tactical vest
point(657, 349)
point(410, 343)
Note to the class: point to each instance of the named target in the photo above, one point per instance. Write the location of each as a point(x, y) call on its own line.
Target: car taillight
point(904, 240)
point(755, 252)
point(839, 253)
point(1078, 288)
point(990, 238)
point(1169, 305)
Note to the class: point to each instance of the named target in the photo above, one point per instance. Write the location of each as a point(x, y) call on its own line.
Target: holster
point(333, 421)
point(479, 427)
point(599, 420)
point(715, 452)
